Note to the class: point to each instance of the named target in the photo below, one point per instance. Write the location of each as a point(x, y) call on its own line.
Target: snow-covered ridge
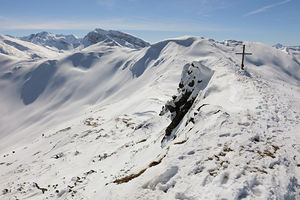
point(18, 49)
point(113, 38)
point(69, 42)
point(61, 42)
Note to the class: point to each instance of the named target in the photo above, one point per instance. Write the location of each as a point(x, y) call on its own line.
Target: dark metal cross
point(242, 66)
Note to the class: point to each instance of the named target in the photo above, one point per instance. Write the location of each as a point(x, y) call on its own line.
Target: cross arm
point(243, 53)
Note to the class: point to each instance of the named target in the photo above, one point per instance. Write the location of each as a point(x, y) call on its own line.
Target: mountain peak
point(278, 46)
point(61, 42)
point(115, 38)
point(67, 42)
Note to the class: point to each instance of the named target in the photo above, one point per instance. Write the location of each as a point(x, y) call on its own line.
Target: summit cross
point(243, 57)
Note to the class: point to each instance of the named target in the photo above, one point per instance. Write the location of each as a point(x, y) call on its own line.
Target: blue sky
point(268, 21)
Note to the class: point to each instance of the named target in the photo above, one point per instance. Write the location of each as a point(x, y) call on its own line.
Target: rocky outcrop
point(194, 79)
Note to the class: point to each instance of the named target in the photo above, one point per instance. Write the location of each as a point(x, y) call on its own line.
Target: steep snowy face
point(9, 47)
point(60, 42)
point(114, 38)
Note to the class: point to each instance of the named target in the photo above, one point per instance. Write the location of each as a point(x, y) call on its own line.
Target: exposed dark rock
point(38, 187)
point(5, 191)
point(192, 83)
point(194, 78)
point(181, 103)
point(59, 155)
point(181, 85)
point(90, 172)
point(135, 175)
point(202, 106)
point(180, 112)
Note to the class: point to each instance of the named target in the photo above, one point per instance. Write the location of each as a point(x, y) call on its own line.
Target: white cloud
point(265, 8)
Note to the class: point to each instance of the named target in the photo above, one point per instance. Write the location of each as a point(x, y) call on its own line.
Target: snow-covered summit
point(113, 38)
point(58, 41)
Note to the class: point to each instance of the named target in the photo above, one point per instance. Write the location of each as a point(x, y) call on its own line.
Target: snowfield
point(119, 118)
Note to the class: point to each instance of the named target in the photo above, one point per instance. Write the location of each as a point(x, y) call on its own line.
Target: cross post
point(243, 56)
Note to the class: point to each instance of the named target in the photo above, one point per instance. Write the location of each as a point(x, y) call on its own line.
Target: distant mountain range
point(115, 38)
point(280, 46)
point(292, 50)
point(109, 37)
point(61, 42)
point(68, 42)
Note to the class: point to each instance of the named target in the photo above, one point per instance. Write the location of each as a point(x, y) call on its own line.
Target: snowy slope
point(58, 41)
point(95, 126)
point(22, 50)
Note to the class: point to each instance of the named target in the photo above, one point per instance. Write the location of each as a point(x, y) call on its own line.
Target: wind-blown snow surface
point(88, 125)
